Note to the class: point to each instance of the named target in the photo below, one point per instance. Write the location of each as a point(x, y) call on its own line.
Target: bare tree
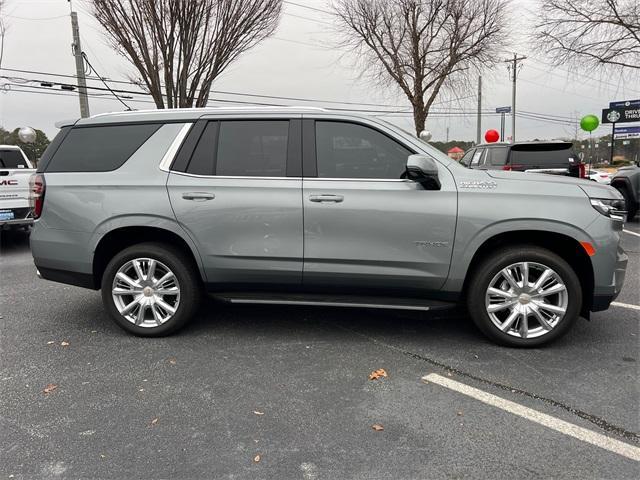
point(423, 46)
point(591, 33)
point(179, 47)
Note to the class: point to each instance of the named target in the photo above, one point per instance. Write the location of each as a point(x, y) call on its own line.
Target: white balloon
point(425, 135)
point(27, 135)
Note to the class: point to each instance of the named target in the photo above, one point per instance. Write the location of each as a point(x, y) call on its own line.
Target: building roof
point(455, 150)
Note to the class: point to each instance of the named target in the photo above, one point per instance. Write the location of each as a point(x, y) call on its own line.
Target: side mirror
point(423, 170)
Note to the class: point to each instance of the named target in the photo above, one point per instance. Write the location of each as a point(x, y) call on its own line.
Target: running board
point(390, 303)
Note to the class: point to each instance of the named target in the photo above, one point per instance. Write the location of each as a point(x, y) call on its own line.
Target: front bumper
point(601, 301)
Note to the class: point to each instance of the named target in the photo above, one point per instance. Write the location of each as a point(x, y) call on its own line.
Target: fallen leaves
point(257, 458)
point(153, 422)
point(377, 427)
point(172, 360)
point(64, 343)
point(258, 413)
point(49, 388)
point(379, 373)
point(51, 342)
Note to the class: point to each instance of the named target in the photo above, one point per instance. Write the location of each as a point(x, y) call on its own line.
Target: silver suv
point(306, 206)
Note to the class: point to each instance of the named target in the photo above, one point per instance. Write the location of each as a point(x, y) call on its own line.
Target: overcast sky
point(300, 60)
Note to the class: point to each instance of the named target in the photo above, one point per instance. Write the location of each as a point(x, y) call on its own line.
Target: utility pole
point(479, 121)
point(447, 134)
point(513, 67)
point(76, 48)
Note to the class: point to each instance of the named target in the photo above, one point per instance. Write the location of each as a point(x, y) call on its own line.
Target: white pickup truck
point(15, 172)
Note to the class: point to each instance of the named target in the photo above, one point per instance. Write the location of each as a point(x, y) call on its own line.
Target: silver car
point(308, 206)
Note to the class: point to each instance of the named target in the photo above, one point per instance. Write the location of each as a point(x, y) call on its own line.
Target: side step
point(391, 303)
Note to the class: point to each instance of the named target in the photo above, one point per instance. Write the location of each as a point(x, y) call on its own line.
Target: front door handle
point(198, 196)
point(326, 198)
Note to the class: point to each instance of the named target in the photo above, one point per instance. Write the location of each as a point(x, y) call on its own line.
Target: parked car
point(627, 182)
point(15, 172)
point(557, 158)
point(307, 206)
point(599, 176)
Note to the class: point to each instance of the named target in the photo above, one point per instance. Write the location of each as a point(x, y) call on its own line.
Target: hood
point(592, 189)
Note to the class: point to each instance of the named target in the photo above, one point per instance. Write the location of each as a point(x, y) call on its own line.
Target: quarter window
point(347, 150)
point(252, 148)
point(99, 149)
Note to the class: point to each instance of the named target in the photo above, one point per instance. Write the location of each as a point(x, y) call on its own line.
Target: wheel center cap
point(147, 291)
point(524, 298)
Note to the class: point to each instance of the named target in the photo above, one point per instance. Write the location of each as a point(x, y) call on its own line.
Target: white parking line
point(589, 436)
point(631, 233)
point(626, 305)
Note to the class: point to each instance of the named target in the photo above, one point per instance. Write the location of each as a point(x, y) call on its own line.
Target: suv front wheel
point(151, 289)
point(524, 296)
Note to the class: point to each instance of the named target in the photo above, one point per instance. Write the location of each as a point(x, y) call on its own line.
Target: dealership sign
point(627, 132)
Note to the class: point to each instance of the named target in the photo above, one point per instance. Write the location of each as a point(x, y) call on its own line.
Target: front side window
point(466, 159)
point(347, 150)
point(256, 148)
point(475, 161)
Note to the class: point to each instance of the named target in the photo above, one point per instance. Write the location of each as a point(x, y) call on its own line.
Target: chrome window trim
point(171, 152)
point(237, 177)
point(242, 177)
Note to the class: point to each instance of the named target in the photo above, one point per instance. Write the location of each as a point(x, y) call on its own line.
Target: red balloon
point(492, 136)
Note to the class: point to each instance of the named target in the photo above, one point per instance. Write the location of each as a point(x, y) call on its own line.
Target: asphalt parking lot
point(283, 392)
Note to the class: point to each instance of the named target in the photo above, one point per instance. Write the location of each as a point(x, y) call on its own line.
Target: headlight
point(614, 209)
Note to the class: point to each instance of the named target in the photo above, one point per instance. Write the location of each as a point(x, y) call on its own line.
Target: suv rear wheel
point(151, 289)
point(524, 296)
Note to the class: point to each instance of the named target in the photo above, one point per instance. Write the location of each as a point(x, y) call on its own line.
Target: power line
point(253, 95)
point(86, 59)
point(305, 6)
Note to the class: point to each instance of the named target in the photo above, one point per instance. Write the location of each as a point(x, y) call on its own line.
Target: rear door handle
point(326, 198)
point(198, 196)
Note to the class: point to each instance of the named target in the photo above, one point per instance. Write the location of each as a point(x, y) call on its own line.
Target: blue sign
point(503, 110)
point(625, 103)
point(627, 129)
point(626, 132)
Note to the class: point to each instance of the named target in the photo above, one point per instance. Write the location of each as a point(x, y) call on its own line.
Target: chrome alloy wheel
point(526, 300)
point(146, 292)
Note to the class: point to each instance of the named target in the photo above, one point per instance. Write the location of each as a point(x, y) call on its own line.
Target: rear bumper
point(83, 280)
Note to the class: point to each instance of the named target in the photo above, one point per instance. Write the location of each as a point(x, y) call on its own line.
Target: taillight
point(506, 167)
point(582, 170)
point(37, 187)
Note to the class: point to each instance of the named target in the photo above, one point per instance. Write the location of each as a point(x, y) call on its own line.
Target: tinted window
point(201, 162)
point(543, 155)
point(12, 159)
point(347, 150)
point(466, 160)
point(253, 148)
point(496, 156)
point(99, 149)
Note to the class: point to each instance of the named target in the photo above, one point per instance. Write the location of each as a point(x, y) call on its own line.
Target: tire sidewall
point(490, 267)
point(175, 261)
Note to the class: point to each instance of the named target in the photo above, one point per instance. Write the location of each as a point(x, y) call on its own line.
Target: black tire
point(630, 204)
point(185, 272)
point(494, 263)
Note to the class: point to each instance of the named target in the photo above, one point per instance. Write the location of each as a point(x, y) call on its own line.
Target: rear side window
point(12, 159)
point(543, 155)
point(99, 149)
point(496, 156)
point(256, 148)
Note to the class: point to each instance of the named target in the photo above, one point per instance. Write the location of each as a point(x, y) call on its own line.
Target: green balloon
point(589, 123)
